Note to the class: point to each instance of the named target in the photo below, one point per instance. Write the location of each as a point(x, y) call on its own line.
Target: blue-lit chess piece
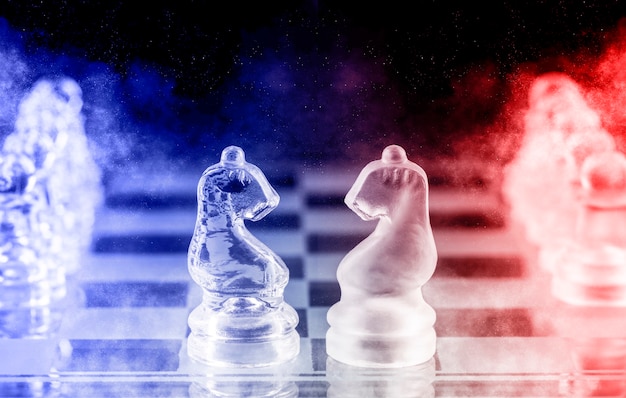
point(49, 190)
point(382, 319)
point(49, 129)
point(25, 283)
point(242, 319)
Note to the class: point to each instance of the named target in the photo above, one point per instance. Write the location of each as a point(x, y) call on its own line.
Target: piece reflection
point(602, 366)
point(274, 381)
point(363, 382)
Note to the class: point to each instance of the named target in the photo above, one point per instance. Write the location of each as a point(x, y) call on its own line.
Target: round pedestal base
point(575, 293)
point(380, 351)
point(243, 332)
point(591, 276)
point(238, 353)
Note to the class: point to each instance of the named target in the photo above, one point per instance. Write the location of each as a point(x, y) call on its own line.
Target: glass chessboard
point(122, 330)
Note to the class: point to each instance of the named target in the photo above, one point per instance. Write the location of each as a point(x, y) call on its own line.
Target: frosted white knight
point(382, 319)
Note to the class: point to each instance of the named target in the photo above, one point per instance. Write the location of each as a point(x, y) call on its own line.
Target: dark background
point(307, 80)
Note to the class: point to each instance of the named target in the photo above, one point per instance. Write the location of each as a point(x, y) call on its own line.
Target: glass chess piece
point(242, 319)
point(49, 190)
point(578, 147)
point(382, 319)
point(49, 129)
point(540, 185)
point(590, 268)
point(25, 284)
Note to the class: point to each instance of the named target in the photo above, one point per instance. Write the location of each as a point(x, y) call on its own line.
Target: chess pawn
point(382, 319)
point(243, 319)
point(578, 147)
point(592, 266)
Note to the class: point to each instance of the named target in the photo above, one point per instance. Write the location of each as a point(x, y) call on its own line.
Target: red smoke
point(571, 111)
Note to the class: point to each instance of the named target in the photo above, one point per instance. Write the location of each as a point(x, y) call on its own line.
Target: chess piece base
point(595, 276)
point(243, 332)
point(574, 293)
point(381, 331)
point(380, 351)
point(24, 295)
point(219, 352)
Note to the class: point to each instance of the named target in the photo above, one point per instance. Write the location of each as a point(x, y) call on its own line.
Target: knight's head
point(389, 185)
point(239, 186)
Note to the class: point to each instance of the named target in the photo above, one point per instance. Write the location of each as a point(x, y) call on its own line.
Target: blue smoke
point(299, 92)
point(129, 118)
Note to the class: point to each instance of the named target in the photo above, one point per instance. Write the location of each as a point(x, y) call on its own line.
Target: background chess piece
point(25, 285)
point(591, 267)
point(382, 318)
point(541, 183)
point(243, 319)
point(49, 129)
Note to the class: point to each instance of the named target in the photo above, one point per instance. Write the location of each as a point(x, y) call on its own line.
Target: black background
point(197, 40)
point(435, 54)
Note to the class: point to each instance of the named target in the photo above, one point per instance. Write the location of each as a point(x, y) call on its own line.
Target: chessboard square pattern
point(137, 293)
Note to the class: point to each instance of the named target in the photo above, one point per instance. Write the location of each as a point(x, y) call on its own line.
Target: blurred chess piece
point(587, 307)
point(49, 190)
point(382, 319)
point(578, 147)
point(348, 381)
point(541, 183)
point(591, 267)
point(30, 309)
point(243, 319)
point(25, 284)
point(50, 131)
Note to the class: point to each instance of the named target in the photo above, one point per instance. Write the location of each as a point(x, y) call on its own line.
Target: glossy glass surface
point(500, 331)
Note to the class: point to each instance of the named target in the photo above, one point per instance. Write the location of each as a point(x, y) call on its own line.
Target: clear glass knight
point(242, 319)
